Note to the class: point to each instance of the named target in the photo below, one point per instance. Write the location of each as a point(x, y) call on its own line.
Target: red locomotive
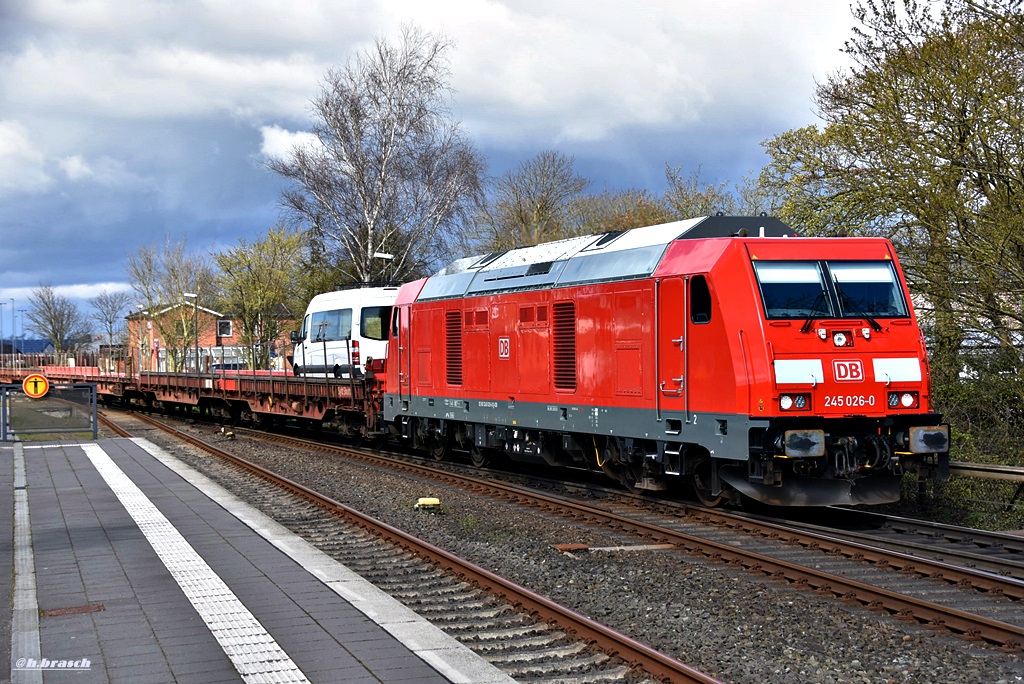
point(722, 351)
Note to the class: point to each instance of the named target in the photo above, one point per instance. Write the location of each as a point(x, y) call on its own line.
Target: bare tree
point(532, 203)
point(109, 310)
point(160, 278)
point(389, 172)
point(691, 196)
point(56, 318)
point(618, 210)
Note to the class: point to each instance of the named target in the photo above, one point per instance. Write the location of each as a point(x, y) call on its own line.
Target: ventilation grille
point(564, 329)
point(453, 346)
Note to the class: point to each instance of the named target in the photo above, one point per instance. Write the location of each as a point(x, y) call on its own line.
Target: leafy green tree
point(259, 283)
point(923, 144)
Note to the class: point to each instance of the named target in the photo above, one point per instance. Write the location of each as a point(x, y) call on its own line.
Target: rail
point(1007, 637)
point(655, 663)
point(988, 471)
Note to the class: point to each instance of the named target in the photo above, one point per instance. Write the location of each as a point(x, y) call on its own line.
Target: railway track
point(921, 541)
point(528, 636)
point(972, 604)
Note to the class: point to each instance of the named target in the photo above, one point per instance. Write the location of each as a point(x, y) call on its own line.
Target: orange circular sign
point(35, 385)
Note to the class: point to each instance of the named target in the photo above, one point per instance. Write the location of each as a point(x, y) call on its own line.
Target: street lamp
point(386, 257)
point(143, 339)
point(195, 322)
point(21, 351)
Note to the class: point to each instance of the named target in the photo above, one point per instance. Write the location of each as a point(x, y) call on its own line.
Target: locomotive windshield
point(830, 289)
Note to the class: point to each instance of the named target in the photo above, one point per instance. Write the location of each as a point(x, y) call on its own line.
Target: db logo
point(504, 348)
point(848, 371)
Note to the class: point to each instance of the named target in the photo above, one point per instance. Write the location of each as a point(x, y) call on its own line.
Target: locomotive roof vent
point(615, 255)
point(731, 226)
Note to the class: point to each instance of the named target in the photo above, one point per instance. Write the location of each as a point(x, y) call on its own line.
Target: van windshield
point(330, 326)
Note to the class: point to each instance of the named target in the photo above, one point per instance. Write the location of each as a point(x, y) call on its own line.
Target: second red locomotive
point(722, 351)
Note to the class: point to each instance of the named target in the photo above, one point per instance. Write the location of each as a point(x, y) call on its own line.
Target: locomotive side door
point(403, 334)
point(671, 347)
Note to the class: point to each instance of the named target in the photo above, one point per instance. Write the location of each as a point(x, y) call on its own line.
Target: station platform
point(125, 565)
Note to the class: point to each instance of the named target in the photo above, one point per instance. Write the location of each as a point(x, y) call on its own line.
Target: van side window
point(330, 326)
point(700, 300)
point(373, 322)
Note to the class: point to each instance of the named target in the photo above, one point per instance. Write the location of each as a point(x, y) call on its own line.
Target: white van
point(341, 330)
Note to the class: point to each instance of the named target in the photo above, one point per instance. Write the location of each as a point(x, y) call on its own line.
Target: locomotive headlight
point(839, 339)
point(865, 333)
point(794, 402)
point(903, 400)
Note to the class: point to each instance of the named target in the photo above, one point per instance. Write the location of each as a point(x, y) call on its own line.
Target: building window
point(223, 328)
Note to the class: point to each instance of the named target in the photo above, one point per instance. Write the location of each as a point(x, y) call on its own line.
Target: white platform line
point(443, 652)
point(254, 653)
point(25, 623)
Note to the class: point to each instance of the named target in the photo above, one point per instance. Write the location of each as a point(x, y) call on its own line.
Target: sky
point(126, 123)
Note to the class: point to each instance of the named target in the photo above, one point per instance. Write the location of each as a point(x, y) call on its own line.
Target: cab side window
point(700, 300)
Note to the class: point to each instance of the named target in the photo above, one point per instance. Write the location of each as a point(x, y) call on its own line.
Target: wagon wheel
point(702, 485)
point(479, 457)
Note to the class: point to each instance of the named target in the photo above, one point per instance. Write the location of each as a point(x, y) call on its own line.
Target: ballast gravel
point(727, 623)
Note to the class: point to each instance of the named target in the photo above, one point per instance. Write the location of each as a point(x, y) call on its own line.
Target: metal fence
point(65, 408)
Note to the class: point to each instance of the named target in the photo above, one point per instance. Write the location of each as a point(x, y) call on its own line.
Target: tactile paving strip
point(253, 651)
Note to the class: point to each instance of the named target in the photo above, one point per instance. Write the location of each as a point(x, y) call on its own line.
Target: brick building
point(165, 341)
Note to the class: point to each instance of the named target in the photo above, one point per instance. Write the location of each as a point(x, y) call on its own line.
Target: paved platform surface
point(130, 567)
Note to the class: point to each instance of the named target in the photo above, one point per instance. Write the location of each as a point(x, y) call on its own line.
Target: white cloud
point(278, 143)
point(22, 165)
point(77, 292)
point(75, 168)
point(130, 119)
point(87, 291)
point(589, 71)
point(103, 170)
point(159, 83)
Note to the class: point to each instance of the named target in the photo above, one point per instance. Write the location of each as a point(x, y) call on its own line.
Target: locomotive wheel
point(479, 457)
point(437, 448)
point(621, 474)
point(702, 485)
